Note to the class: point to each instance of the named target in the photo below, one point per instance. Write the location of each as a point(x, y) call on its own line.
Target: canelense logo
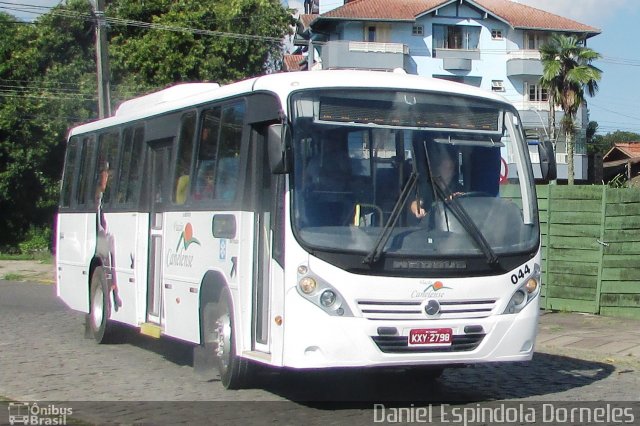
point(179, 257)
point(187, 238)
point(432, 290)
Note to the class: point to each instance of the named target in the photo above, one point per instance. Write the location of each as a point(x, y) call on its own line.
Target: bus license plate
point(430, 336)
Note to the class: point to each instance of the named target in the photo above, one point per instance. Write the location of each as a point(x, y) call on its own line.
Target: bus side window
point(125, 164)
point(135, 174)
point(207, 154)
point(226, 177)
point(107, 151)
point(69, 171)
point(130, 162)
point(218, 159)
point(84, 181)
point(185, 150)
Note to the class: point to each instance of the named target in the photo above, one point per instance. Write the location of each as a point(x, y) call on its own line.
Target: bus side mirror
point(547, 156)
point(278, 141)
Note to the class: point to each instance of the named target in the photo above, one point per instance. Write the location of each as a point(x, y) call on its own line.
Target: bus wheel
point(219, 332)
point(98, 324)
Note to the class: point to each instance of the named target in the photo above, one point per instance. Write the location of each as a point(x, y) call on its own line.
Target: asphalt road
point(44, 357)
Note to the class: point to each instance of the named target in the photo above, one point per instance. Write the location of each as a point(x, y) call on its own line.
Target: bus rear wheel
point(220, 338)
point(98, 324)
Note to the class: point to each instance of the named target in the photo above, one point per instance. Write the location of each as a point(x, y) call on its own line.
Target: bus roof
point(186, 95)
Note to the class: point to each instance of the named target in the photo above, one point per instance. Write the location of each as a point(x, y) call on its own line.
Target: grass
point(44, 257)
point(14, 277)
point(26, 272)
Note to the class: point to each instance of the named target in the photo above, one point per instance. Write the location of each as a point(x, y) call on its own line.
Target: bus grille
point(400, 344)
point(412, 309)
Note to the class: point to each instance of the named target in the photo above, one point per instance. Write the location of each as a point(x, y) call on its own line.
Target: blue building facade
point(491, 44)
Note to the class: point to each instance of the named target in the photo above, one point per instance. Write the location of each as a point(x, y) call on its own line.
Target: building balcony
point(457, 59)
point(366, 55)
point(522, 63)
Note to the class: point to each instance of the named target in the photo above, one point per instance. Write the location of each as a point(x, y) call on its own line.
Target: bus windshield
point(414, 174)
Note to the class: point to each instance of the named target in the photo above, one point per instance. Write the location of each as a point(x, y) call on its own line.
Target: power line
point(40, 96)
point(615, 112)
point(50, 87)
point(31, 9)
point(173, 28)
point(19, 82)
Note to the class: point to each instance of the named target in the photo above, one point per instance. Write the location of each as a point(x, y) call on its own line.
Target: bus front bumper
point(314, 339)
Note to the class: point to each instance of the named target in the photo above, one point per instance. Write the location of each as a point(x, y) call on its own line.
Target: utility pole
point(102, 62)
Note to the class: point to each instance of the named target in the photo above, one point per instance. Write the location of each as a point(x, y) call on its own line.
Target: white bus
point(303, 220)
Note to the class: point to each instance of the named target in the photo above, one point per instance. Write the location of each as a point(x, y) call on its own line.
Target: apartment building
point(492, 44)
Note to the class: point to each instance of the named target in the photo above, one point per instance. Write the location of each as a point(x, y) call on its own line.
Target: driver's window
point(481, 169)
point(358, 147)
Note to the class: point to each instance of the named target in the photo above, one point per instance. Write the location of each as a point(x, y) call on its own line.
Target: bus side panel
point(190, 250)
point(185, 247)
point(122, 237)
point(75, 246)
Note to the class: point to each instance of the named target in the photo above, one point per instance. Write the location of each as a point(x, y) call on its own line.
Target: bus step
point(150, 329)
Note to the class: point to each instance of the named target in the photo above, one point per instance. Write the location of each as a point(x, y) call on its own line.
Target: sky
point(616, 106)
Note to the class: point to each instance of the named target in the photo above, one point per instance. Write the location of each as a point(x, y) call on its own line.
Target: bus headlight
point(307, 285)
point(519, 297)
point(525, 293)
point(327, 298)
point(531, 285)
point(321, 293)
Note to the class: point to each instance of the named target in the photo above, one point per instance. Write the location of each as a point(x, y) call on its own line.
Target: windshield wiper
point(374, 254)
point(465, 220)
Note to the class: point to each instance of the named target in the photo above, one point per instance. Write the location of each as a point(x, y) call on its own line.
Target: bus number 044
point(520, 275)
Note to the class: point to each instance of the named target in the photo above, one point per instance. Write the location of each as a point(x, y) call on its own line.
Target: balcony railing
point(524, 63)
point(366, 55)
point(368, 46)
point(523, 54)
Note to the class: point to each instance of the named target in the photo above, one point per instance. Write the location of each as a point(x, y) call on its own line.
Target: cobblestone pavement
point(44, 357)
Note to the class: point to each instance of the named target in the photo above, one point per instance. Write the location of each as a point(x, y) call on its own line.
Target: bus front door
point(158, 172)
point(265, 236)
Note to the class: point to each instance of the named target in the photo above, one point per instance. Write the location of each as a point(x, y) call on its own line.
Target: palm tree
point(567, 71)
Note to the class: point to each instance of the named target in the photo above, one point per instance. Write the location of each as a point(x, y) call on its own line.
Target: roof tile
point(292, 62)
point(629, 149)
point(383, 9)
point(523, 16)
point(515, 14)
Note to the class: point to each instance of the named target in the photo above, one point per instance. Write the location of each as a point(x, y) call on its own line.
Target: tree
point(44, 72)
point(48, 78)
point(603, 143)
point(592, 129)
point(567, 71)
point(205, 40)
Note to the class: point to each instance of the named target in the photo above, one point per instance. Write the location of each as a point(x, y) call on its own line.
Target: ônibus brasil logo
point(432, 291)
point(178, 257)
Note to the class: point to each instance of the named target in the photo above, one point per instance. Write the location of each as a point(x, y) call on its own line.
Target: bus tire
point(98, 324)
point(219, 339)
